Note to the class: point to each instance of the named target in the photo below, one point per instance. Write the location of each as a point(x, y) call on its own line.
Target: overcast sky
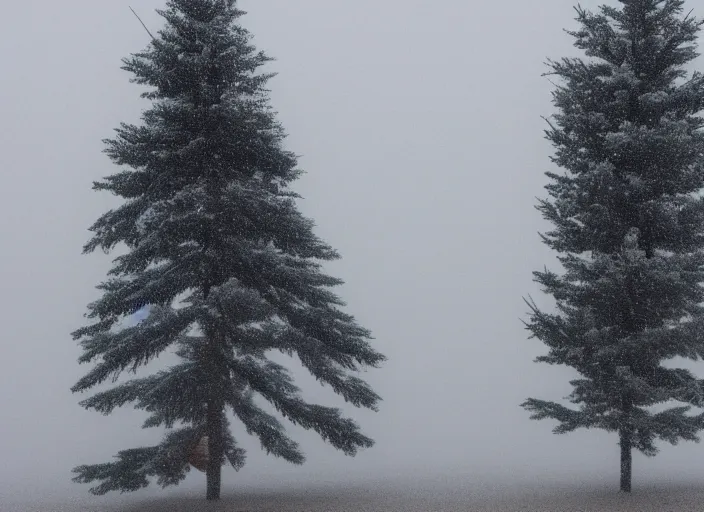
point(419, 127)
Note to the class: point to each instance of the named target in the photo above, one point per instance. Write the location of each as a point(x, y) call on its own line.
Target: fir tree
point(227, 266)
point(629, 226)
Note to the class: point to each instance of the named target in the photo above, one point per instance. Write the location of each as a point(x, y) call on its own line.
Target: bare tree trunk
point(626, 460)
point(214, 420)
point(214, 469)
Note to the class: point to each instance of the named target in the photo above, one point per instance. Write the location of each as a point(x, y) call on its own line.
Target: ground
point(397, 498)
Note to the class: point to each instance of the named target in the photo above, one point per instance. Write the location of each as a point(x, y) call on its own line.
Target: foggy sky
point(419, 126)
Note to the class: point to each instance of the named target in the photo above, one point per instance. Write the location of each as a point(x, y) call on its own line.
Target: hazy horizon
point(419, 125)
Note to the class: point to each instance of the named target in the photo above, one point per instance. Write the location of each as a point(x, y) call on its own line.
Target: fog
point(419, 125)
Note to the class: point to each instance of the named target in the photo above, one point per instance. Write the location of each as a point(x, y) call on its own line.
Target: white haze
point(419, 127)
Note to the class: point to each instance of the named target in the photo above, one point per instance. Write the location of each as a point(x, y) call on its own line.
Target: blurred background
point(419, 125)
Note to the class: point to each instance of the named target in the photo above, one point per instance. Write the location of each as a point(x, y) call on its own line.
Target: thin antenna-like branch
point(145, 27)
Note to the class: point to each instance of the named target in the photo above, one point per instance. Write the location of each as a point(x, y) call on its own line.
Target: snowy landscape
point(407, 497)
point(352, 256)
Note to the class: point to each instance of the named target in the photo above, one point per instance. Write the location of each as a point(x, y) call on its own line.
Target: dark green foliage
point(217, 250)
point(628, 224)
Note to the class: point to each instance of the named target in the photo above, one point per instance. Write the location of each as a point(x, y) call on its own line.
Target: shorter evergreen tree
point(629, 227)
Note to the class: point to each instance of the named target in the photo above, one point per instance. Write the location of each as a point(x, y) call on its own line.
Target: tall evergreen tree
point(629, 228)
point(228, 267)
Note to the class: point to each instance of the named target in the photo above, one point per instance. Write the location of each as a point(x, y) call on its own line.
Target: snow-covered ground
point(409, 498)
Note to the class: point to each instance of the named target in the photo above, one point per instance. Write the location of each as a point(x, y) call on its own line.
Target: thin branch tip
point(145, 27)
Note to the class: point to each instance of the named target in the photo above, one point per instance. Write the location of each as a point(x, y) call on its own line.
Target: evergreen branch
point(351, 388)
point(569, 419)
point(167, 461)
point(169, 395)
point(129, 473)
point(547, 120)
point(133, 346)
point(674, 425)
point(266, 427)
point(273, 383)
point(106, 401)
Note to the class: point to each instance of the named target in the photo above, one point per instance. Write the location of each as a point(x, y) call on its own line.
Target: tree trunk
point(214, 469)
point(626, 460)
point(214, 421)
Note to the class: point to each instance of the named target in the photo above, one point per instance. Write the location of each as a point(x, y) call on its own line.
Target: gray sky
point(419, 126)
